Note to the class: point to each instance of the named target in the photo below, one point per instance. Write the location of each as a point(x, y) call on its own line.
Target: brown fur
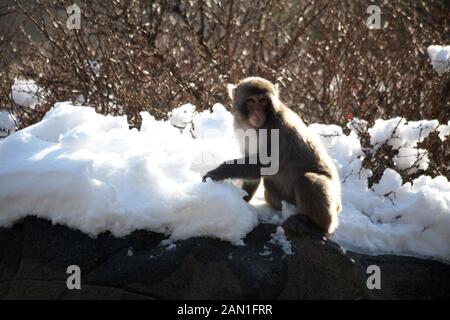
point(307, 176)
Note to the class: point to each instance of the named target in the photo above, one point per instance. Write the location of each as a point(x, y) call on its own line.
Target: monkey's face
point(257, 106)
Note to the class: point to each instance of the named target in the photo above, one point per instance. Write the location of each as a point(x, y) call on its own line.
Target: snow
point(266, 252)
point(392, 216)
point(279, 238)
point(26, 93)
point(168, 244)
point(92, 173)
point(130, 252)
point(408, 219)
point(357, 125)
point(404, 136)
point(7, 121)
point(444, 131)
point(182, 116)
point(440, 57)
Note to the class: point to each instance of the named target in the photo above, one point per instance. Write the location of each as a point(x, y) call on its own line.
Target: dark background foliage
point(157, 55)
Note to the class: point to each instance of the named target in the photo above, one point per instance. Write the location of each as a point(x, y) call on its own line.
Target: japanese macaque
point(299, 171)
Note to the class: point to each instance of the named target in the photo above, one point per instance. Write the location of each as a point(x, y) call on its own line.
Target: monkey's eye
point(263, 101)
point(251, 100)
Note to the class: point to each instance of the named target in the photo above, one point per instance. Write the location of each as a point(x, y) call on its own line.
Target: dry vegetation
point(156, 55)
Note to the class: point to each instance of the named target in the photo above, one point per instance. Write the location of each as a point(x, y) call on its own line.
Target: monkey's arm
point(239, 169)
point(250, 186)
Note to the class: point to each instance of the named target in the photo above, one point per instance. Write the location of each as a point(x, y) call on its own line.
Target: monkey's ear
point(231, 89)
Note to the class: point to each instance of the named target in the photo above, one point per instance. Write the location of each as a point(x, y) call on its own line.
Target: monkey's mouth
point(257, 121)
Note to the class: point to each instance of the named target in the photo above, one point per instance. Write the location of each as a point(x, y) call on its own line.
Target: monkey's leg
point(314, 200)
point(250, 187)
point(272, 195)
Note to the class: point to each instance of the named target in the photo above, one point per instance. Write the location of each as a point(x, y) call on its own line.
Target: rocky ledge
point(35, 255)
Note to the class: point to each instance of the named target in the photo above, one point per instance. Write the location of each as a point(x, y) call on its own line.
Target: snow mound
point(392, 216)
point(92, 173)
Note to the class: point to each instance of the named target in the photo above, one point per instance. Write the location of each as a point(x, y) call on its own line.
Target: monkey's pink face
point(257, 108)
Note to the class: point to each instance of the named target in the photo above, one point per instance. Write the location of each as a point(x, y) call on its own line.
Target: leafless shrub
point(136, 55)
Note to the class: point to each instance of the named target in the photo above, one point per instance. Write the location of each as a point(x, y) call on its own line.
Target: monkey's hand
point(213, 175)
point(235, 169)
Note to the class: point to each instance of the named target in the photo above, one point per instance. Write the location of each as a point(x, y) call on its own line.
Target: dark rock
point(34, 256)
